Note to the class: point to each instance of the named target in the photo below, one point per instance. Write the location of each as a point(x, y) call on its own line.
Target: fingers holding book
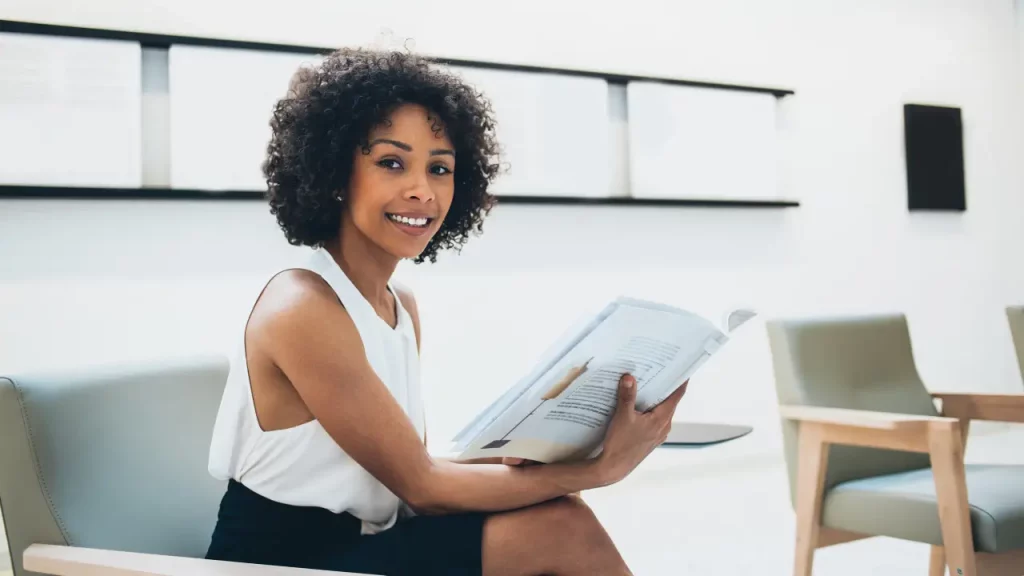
point(627, 393)
point(633, 435)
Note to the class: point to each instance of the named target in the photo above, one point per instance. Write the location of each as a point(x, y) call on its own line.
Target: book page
point(563, 345)
point(569, 406)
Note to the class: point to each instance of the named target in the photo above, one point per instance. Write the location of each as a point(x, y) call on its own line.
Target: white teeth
point(408, 221)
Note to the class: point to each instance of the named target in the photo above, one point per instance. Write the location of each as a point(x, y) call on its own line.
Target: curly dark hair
point(329, 112)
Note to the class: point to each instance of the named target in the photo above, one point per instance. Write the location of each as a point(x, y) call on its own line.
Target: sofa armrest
point(869, 428)
point(993, 407)
point(74, 561)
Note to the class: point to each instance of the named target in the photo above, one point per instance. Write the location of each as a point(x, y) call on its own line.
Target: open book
point(561, 410)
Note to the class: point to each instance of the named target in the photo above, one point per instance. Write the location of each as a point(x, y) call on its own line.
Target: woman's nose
point(420, 190)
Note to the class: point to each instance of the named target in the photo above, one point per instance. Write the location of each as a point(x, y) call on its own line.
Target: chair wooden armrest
point(74, 561)
point(993, 407)
point(858, 418)
point(869, 428)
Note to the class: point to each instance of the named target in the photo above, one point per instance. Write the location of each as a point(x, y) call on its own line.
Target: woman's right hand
point(632, 435)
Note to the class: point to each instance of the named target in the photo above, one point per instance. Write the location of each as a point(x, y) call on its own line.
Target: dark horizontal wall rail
point(71, 192)
point(147, 39)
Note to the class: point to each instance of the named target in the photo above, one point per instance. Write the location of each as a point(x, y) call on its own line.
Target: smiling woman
point(376, 158)
point(351, 105)
point(410, 185)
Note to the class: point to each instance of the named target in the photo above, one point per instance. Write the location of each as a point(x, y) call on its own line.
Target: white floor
point(725, 511)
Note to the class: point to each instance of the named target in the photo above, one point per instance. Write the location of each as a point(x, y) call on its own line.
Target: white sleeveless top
point(303, 465)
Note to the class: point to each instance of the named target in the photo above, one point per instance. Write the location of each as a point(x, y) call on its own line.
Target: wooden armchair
point(103, 472)
point(870, 455)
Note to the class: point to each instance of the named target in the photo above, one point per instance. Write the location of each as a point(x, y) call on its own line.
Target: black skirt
point(256, 530)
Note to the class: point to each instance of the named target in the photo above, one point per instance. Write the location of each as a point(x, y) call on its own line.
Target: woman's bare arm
point(300, 325)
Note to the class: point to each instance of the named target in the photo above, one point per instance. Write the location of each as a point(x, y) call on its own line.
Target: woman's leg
point(561, 538)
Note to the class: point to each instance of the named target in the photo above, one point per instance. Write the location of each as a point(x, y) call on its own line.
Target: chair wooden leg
point(947, 455)
point(810, 490)
point(937, 562)
point(965, 431)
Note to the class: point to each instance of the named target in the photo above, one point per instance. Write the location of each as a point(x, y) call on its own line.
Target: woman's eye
point(390, 164)
point(440, 169)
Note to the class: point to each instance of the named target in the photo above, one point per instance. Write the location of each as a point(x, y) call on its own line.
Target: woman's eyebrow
point(408, 148)
point(394, 143)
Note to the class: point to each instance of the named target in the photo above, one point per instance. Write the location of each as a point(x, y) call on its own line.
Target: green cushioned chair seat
point(903, 505)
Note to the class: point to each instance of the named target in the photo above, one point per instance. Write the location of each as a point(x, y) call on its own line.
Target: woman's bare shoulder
point(290, 300)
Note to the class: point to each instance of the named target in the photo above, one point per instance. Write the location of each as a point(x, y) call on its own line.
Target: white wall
point(106, 280)
point(98, 281)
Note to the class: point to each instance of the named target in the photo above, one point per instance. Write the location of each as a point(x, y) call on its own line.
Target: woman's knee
point(570, 508)
point(572, 516)
point(561, 536)
point(568, 515)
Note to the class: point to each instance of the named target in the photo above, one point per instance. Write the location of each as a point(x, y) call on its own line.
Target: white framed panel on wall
point(688, 142)
point(554, 131)
point(70, 111)
point(221, 103)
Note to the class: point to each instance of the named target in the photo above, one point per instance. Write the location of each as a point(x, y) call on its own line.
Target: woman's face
point(402, 183)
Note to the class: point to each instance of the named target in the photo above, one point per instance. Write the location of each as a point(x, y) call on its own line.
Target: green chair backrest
point(863, 363)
